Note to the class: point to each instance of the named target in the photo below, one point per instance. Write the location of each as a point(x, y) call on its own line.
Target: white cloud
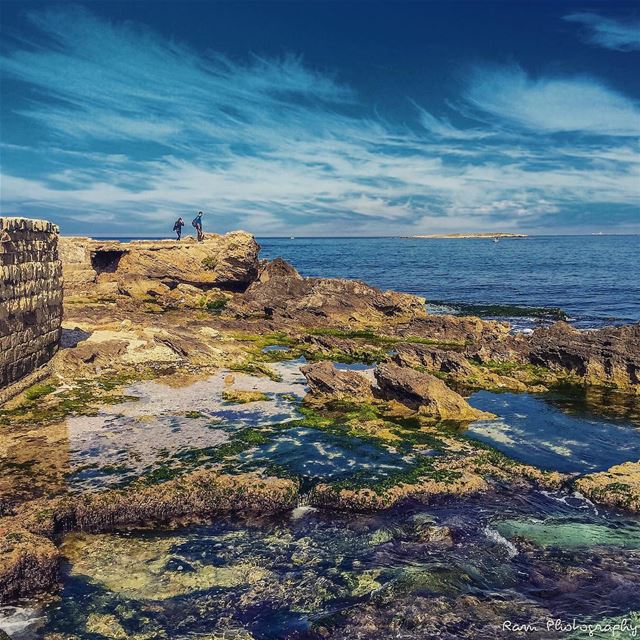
point(553, 104)
point(276, 147)
point(608, 32)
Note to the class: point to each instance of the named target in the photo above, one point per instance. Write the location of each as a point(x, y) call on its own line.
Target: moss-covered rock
point(28, 562)
point(618, 487)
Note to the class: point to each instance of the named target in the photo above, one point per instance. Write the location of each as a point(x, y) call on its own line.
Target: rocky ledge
point(227, 261)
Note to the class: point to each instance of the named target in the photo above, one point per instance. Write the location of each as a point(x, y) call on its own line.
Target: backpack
point(194, 222)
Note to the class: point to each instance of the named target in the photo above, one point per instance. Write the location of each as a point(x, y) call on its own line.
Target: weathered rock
point(28, 559)
point(610, 354)
point(425, 489)
point(434, 534)
point(200, 494)
point(432, 359)
point(336, 348)
point(424, 393)
point(619, 486)
point(143, 289)
point(462, 331)
point(227, 261)
point(456, 367)
point(328, 383)
point(28, 562)
point(280, 291)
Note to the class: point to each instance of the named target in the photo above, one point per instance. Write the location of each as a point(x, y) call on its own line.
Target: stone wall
point(30, 298)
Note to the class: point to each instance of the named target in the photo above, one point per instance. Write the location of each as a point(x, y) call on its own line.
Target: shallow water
point(308, 574)
point(315, 574)
point(166, 424)
point(314, 455)
point(531, 429)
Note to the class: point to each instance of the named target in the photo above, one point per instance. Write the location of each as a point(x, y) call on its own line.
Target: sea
point(590, 281)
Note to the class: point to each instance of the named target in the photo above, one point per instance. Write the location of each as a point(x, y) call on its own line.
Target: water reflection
point(531, 429)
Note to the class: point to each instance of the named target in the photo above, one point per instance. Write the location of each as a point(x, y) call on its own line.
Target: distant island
point(473, 235)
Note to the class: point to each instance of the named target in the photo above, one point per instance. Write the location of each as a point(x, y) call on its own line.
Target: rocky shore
point(176, 314)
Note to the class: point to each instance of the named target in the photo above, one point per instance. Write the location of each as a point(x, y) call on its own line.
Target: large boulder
point(432, 359)
point(610, 354)
point(227, 261)
point(424, 393)
point(328, 383)
point(280, 291)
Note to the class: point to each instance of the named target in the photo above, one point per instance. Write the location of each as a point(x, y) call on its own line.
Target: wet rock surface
point(28, 562)
point(611, 354)
point(619, 486)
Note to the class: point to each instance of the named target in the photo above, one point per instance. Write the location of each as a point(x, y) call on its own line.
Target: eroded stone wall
point(30, 297)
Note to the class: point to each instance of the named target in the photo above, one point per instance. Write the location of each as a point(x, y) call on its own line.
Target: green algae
point(385, 340)
point(256, 368)
point(46, 407)
point(188, 459)
point(421, 470)
point(239, 396)
point(39, 391)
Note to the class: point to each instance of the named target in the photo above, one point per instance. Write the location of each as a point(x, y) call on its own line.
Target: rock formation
point(280, 291)
point(327, 382)
point(619, 486)
point(30, 299)
point(432, 359)
point(227, 262)
point(425, 393)
point(28, 562)
point(610, 354)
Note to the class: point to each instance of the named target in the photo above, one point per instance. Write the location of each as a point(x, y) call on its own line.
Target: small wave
point(575, 500)
point(501, 310)
point(17, 620)
point(498, 538)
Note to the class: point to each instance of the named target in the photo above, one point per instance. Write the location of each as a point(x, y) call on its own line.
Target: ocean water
point(594, 280)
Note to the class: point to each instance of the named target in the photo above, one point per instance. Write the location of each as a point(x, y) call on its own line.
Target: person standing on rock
point(177, 227)
point(197, 223)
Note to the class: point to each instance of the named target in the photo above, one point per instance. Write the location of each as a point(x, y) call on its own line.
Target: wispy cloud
point(553, 104)
point(608, 32)
point(132, 129)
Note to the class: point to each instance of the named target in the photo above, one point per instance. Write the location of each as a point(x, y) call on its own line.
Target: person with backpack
point(197, 223)
point(177, 227)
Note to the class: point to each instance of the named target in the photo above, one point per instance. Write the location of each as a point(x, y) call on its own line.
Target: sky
point(314, 118)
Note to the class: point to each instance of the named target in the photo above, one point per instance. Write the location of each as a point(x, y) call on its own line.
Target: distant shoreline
point(457, 236)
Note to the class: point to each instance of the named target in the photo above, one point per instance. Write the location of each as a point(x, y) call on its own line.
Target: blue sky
point(322, 118)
